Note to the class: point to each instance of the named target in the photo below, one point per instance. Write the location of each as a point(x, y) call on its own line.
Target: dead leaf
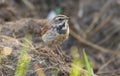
point(6, 51)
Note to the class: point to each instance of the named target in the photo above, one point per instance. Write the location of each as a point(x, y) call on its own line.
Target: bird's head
point(60, 23)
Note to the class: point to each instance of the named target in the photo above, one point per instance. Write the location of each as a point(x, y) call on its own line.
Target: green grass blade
point(23, 61)
point(87, 64)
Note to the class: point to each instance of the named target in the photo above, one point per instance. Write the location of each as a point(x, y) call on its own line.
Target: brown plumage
point(58, 31)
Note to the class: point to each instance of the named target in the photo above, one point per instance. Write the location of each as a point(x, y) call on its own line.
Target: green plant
point(87, 65)
point(78, 64)
point(23, 61)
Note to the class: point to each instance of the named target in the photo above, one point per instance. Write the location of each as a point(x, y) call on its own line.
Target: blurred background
point(94, 24)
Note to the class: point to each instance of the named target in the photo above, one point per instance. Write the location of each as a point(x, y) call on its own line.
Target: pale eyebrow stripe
point(59, 17)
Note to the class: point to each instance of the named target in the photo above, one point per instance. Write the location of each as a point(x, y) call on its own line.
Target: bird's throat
point(61, 28)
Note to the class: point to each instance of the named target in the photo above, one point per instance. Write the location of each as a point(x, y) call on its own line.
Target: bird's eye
point(60, 19)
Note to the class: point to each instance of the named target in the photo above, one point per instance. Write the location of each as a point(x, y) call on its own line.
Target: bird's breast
point(54, 38)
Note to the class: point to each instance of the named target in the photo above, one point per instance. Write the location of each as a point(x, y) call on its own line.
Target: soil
point(94, 24)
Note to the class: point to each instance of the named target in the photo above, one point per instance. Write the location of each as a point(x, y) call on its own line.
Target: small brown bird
point(58, 31)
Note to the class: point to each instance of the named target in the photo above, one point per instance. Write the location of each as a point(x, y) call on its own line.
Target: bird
point(58, 31)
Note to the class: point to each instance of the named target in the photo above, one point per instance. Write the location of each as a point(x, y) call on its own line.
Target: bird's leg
point(59, 50)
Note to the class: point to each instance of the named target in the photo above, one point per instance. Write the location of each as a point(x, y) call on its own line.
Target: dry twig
point(81, 40)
